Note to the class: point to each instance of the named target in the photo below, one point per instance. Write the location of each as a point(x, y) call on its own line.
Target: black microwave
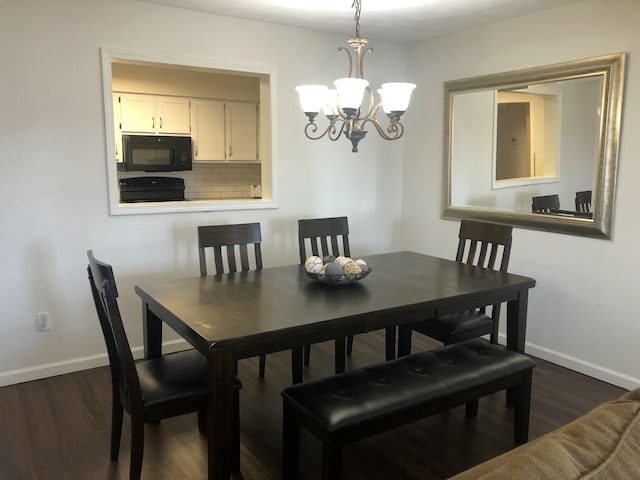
point(156, 153)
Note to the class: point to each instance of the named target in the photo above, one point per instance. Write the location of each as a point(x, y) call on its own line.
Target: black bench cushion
point(372, 392)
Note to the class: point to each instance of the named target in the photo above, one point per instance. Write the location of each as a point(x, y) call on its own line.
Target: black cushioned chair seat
point(456, 324)
point(369, 393)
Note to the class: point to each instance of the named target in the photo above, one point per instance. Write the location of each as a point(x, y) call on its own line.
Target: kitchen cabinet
point(224, 131)
point(154, 114)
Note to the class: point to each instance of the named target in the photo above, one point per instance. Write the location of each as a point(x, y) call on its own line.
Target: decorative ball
point(352, 268)
point(333, 268)
point(328, 259)
point(313, 264)
point(361, 262)
point(343, 260)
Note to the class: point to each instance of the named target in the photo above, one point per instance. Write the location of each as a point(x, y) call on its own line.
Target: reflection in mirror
point(537, 132)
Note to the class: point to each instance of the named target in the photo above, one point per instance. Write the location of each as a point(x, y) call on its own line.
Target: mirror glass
point(523, 146)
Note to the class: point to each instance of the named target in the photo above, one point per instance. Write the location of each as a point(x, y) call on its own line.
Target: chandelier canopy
point(343, 106)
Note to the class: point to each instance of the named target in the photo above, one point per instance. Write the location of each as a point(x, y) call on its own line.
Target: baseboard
point(83, 363)
point(76, 364)
point(581, 366)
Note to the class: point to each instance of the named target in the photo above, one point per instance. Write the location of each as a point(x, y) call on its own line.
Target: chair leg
point(290, 444)
point(116, 426)
point(471, 408)
point(404, 340)
point(307, 355)
point(202, 421)
point(349, 345)
point(261, 367)
point(390, 343)
point(296, 365)
point(340, 356)
point(494, 333)
point(137, 449)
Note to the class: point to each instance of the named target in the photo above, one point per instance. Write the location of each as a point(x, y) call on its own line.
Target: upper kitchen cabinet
point(224, 131)
point(141, 113)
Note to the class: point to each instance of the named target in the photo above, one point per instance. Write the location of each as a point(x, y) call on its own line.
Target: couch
point(604, 444)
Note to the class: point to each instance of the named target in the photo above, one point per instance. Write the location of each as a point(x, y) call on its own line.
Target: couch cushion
point(601, 445)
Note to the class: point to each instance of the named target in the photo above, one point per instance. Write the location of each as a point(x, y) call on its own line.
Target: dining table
point(232, 316)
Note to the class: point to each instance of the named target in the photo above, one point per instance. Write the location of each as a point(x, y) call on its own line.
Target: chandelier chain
point(357, 5)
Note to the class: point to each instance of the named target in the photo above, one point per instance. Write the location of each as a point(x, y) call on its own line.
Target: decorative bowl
point(339, 279)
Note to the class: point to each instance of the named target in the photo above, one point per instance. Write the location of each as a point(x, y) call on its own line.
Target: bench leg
point(290, 444)
point(331, 461)
point(522, 408)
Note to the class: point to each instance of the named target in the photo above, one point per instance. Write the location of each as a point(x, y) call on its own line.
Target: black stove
point(151, 189)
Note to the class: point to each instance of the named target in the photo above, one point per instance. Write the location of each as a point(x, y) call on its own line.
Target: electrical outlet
point(43, 321)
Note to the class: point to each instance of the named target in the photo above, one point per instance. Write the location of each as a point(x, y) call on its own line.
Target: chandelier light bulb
point(312, 97)
point(395, 96)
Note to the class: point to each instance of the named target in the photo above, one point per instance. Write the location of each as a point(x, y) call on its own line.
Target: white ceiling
point(402, 21)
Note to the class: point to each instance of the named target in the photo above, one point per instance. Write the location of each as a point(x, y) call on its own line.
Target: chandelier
point(343, 106)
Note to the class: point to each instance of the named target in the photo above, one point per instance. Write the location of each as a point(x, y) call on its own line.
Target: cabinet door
point(117, 131)
point(207, 122)
point(172, 115)
point(241, 131)
point(138, 113)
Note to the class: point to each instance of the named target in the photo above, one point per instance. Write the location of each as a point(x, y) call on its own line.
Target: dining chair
point(231, 243)
point(323, 237)
point(483, 245)
point(545, 203)
point(153, 389)
point(583, 201)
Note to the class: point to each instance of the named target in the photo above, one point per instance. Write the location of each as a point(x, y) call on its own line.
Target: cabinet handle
point(153, 122)
point(229, 151)
point(160, 122)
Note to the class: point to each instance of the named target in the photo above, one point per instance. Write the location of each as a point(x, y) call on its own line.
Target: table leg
point(296, 365)
point(220, 434)
point(152, 332)
point(516, 330)
point(390, 343)
point(517, 321)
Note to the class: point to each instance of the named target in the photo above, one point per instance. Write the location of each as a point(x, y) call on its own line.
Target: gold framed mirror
point(548, 132)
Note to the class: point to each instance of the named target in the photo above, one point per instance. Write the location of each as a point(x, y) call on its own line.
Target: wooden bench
point(345, 408)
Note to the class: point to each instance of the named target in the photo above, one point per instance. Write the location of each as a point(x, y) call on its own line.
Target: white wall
point(583, 311)
point(54, 182)
point(54, 178)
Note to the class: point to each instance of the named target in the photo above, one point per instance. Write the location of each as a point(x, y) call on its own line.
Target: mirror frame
point(612, 67)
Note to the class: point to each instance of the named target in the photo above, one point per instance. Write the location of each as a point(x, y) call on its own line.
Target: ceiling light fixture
point(343, 105)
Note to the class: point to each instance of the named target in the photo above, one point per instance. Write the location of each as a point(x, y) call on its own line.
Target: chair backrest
point(545, 203)
point(123, 370)
point(479, 244)
point(230, 241)
point(583, 201)
point(482, 244)
point(323, 236)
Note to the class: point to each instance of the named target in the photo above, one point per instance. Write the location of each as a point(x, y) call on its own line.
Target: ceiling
point(403, 21)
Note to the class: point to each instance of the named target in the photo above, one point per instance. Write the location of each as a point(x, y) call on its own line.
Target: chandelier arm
point(342, 49)
point(361, 66)
point(394, 130)
point(331, 131)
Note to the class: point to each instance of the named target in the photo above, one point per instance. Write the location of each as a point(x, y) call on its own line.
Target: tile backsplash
point(215, 181)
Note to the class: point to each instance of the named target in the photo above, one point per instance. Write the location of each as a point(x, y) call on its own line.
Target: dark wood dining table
point(233, 316)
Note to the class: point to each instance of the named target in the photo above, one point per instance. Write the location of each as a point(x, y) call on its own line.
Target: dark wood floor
point(58, 428)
